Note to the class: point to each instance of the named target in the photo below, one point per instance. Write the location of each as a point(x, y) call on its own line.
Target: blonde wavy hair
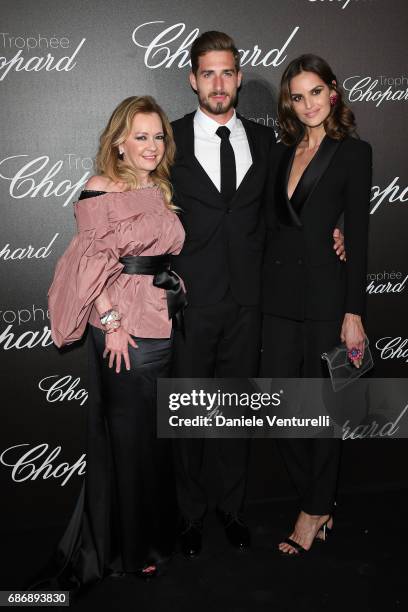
point(117, 131)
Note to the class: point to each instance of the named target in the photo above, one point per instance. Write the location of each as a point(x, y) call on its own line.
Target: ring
point(354, 354)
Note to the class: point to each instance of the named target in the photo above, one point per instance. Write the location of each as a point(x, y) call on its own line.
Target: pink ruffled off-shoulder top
point(110, 226)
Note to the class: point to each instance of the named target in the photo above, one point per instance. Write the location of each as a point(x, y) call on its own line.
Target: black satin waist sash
point(158, 266)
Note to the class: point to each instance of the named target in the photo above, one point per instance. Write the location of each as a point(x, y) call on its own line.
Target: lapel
point(254, 154)
point(285, 211)
point(294, 208)
point(313, 173)
point(190, 158)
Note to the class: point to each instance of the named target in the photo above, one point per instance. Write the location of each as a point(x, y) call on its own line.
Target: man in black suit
point(218, 179)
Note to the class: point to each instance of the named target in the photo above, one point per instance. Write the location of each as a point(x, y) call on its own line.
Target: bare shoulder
point(102, 183)
point(97, 183)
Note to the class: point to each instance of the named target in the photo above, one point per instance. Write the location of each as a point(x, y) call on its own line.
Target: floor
point(362, 567)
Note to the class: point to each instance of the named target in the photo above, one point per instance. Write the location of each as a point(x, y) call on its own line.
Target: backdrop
point(63, 68)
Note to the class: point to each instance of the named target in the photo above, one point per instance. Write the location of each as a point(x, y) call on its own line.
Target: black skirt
point(126, 513)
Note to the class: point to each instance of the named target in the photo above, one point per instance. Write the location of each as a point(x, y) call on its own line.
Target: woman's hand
point(338, 245)
point(352, 333)
point(116, 345)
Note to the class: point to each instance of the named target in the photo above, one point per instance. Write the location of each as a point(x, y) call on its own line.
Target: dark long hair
point(339, 124)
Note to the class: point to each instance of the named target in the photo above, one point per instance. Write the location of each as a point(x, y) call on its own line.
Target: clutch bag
point(342, 371)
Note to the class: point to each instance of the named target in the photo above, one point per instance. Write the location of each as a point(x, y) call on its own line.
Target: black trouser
point(221, 340)
point(293, 349)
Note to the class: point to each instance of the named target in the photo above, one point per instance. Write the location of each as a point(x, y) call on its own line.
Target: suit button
point(277, 261)
point(229, 210)
point(300, 261)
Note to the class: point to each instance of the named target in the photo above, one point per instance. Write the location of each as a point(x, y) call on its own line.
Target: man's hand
point(339, 244)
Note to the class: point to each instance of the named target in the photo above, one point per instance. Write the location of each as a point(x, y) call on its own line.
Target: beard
point(219, 108)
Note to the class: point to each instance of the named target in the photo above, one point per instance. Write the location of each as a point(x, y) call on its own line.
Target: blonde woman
point(116, 277)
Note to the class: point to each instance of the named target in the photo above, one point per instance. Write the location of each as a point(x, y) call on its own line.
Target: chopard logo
point(393, 193)
point(27, 252)
point(373, 429)
point(39, 462)
point(48, 62)
point(29, 178)
point(160, 52)
point(393, 348)
point(64, 388)
point(386, 282)
point(27, 340)
point(12, 337)
point(375, 90)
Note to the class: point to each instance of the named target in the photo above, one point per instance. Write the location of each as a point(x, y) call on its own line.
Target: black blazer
point(224, 242)
point(302, 276)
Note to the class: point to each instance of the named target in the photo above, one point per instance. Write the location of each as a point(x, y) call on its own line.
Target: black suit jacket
point(224, 242)
point(302, 276)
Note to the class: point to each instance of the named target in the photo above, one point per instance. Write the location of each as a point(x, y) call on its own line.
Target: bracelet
point(110, 316)
point(112, 326)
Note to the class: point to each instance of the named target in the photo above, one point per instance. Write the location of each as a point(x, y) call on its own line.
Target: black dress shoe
point(235, 529)
point(191, 538)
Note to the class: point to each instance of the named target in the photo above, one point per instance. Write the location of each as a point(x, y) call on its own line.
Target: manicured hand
point(116, 346)
point(353, 335)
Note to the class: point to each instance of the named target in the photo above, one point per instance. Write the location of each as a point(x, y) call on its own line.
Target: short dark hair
point(213, 41)
point(339, 124)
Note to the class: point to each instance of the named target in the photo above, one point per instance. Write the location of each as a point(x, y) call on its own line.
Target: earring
point(121, 155)
point(333, 99)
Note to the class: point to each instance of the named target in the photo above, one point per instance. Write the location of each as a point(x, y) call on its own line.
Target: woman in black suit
point(311, 298)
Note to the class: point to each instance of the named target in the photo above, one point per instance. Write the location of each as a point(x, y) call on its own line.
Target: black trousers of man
point(221, 340)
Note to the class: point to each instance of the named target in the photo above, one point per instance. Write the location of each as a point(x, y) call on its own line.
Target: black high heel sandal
point(299, 549)
point(327, 531)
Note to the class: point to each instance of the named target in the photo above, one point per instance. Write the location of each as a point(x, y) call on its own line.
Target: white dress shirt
point(207, 146)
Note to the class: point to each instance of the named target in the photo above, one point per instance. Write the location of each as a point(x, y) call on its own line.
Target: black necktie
point(228, 170)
